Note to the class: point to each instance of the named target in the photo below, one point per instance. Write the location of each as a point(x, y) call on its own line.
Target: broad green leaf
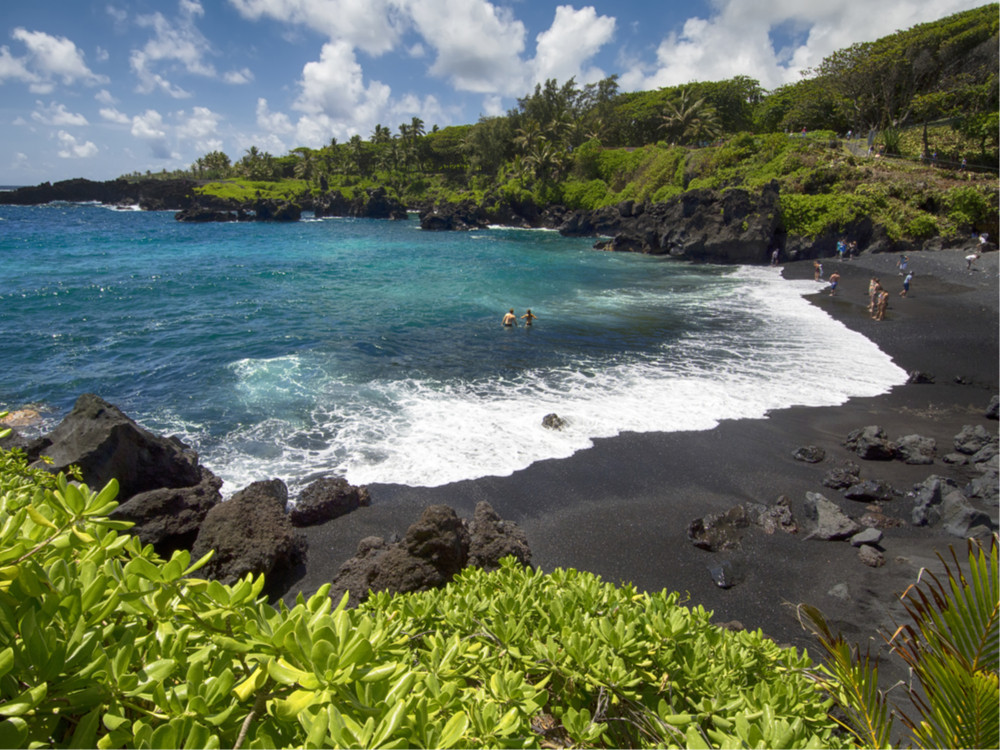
point(454, 729)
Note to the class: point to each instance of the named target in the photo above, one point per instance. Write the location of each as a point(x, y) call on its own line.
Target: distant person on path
point(969, 260)
point(510, 319)
point(906, 284)
point(774, 257)
point(841, 249)
point(834, 280)
point(528, 317)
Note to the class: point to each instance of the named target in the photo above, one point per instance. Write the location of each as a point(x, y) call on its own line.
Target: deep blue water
point(374, 350)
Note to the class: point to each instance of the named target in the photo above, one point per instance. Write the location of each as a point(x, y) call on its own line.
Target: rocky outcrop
point(372, 204)
point(732, 226)
point(106, 444)
point(251, 533)
point(149, 194)
point(453, 216)
point(434, 549)
point(326, 499)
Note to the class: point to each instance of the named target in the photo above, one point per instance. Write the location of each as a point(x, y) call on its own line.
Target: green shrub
point(966, 206)
point(922, 227)
point(103, 644)
point(585, 195)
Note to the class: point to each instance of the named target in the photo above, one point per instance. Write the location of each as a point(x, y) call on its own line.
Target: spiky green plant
point(951, 647)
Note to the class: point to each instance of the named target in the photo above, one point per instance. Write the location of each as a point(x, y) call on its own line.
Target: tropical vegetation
point(922, 102)
point(104, 644)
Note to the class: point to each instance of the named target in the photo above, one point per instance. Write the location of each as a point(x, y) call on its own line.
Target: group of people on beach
point(510, 319)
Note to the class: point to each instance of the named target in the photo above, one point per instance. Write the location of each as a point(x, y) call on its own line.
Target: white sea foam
point(427, 434)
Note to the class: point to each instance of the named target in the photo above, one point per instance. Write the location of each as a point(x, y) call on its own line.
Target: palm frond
point(852, 682)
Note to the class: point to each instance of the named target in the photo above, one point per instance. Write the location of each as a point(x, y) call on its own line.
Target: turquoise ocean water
point(374, 350)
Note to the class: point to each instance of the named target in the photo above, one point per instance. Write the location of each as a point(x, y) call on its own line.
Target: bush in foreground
point(104, 644)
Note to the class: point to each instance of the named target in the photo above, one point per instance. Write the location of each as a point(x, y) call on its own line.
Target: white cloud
point(371, 25)
point(105, 97)
point(334, 99)
point(56, 115)
point(478, 45)
point(738, 38)
point(111, 114)
point(574, 37)
point(238, 77)
point(148, 127)
point(49, 59)
point(173, 42)
point(71, 148)
point(201, 127)
point(272, 122)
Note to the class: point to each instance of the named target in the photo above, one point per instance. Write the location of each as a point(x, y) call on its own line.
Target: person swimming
point(510, 319)
point(528, 317)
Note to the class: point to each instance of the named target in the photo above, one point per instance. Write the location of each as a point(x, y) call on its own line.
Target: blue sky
point(100, 88)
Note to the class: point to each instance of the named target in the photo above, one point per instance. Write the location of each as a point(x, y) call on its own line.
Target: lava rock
point(326, 499)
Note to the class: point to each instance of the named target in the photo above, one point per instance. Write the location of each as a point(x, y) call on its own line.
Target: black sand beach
point(622, 508)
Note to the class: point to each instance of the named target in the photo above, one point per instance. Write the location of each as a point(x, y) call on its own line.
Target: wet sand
point(621, 509)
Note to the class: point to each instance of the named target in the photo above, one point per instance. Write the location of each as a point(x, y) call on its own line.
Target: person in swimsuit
point(510, 319)
point(528, 317)
point(834, 280)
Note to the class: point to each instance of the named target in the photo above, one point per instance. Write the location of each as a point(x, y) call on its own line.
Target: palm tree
point(688, 122)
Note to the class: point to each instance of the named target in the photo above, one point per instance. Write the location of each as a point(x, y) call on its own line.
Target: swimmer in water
point(528, 317)
point(510, 319)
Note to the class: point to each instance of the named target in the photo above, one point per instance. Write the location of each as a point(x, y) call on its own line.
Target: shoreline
point(621, 508)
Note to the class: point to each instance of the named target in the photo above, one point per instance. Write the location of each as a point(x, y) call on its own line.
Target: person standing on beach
point(774, 257)
point(969, 260)
point(881, 305)
point(902, 264)
point(528, 317)
point(874, 288)
point(834, 280)
point(817, 271)
point(510, 319)
point(841, 249)
point(906, 284)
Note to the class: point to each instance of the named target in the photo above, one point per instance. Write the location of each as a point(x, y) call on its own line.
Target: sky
point(102, 88)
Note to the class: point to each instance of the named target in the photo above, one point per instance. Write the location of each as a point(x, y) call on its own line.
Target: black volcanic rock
point(106, 444)
point(250, 533)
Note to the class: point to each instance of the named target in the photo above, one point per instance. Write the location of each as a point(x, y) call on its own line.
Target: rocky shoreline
point(733, 226)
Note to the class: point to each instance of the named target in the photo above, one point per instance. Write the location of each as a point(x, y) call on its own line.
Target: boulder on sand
point(326, 499)
point(434, 549)
point(251, 533)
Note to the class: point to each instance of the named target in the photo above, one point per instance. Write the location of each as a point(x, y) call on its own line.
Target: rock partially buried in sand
point(973, 439)
point(871, 444)
point(843, 476)
point(870, 491)
point(827, 521)
point(866, 536)
point(916, 450)
point(993, 410)
point(811, 454)
point(871, 556)
point(326, 499)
